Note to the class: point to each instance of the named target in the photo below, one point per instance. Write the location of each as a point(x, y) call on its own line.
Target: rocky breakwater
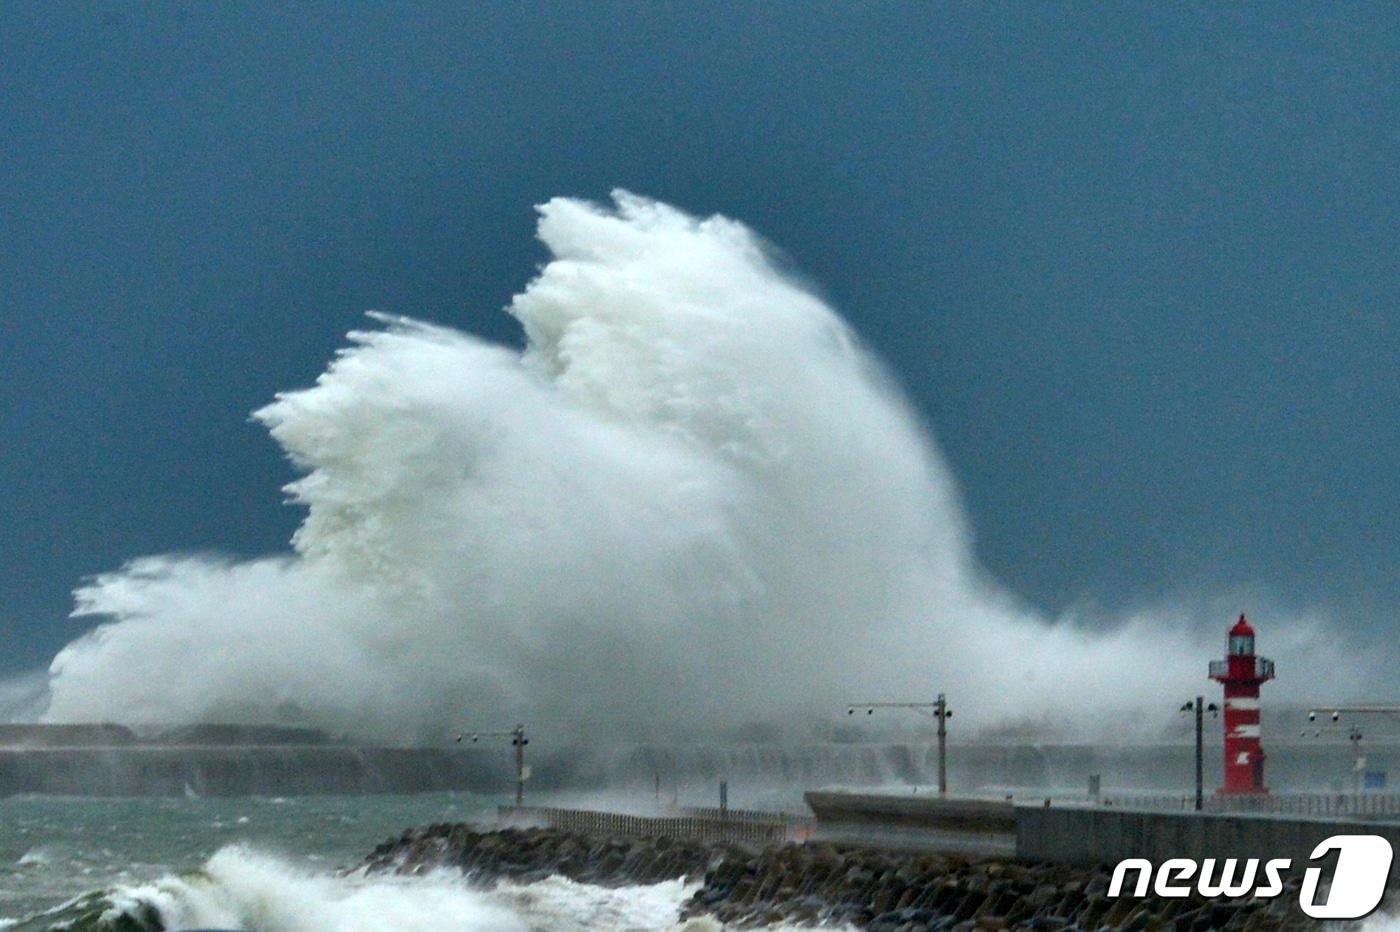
point(820, 883)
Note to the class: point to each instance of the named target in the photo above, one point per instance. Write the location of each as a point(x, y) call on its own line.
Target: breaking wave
point(693, 500)
point(240, 889)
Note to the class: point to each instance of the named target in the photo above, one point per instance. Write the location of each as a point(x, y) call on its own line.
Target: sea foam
point(242, 889)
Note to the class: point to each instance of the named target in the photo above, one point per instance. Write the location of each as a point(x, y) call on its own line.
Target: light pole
point(938, 709)
point(1354, 735)
point(518, 739)
point(1200, 708)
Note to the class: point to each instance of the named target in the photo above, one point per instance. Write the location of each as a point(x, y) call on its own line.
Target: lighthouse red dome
point(1241, 627)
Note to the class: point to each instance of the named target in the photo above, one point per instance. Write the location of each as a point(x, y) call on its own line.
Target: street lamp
point(938, 709)
point(518, 739)
point(1199, 708)
point(1354, 735)
point(1312, 717)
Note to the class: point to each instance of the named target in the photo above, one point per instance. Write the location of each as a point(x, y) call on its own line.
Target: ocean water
point(275, 865)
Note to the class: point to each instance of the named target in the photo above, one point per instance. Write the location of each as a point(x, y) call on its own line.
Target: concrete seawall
point(237, 771)
point(1090, 836)
point(945, 814)
point(970, 826)
point(1075, 835)
point(754, 828)
point(759, 773)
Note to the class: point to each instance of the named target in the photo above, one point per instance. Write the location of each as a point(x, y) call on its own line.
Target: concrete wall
point(994, 769)
point(1081, 835)
point(971, 826)
point(257, 771)
point(1106, 836)
point(697, 828)
point(950, 813)
point(213, 734)
point(52, 736)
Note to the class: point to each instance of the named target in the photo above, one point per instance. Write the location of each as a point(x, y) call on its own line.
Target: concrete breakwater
point(966, 826)
point(213, 759)
point(696, 825)
point(1158, 768)
point(1076, 833)
point(289, 770)
point(764, 773)
point(822, 882)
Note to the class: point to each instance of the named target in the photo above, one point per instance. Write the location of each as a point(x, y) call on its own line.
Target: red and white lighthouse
point(1242, 672)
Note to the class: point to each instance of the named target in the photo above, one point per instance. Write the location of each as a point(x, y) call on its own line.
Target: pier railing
point(1325, 805)
point(753, 828)
point(795, 819)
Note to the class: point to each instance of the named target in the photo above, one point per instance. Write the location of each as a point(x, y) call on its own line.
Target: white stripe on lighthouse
point(1246, 731)
point(1242, 703)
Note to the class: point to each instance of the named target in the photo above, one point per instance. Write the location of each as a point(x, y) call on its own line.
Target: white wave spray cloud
point(245, 889)
point(693, 500)
point(238, 888)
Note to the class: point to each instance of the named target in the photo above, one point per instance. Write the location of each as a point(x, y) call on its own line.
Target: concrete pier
point(1081, 835)
point(754, 828)
point(966, 826)
point(1089, 836)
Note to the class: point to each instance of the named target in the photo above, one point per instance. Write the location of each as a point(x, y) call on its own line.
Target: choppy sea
point(274, 865)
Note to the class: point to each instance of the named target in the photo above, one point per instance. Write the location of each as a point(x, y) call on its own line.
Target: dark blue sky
point(1137, 263)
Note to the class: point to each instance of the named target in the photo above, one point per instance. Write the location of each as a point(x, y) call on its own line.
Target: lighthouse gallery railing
point(1263, 668)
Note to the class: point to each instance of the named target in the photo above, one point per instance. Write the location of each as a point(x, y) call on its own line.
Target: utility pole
point(940, 709)
point(1360, 767)
point(937, 709)
point(518, 739)
point(1200, 708)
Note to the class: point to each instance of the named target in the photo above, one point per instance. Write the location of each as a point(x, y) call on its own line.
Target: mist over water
point(693, 501)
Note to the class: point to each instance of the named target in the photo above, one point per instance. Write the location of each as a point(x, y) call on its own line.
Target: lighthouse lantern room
point(1241, 672)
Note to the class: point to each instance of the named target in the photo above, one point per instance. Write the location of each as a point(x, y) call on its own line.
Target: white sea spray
point(693, 500)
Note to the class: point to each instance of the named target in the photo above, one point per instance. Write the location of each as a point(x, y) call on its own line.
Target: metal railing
point(1263, 668)
point(1320, 805)
point(748, 815)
